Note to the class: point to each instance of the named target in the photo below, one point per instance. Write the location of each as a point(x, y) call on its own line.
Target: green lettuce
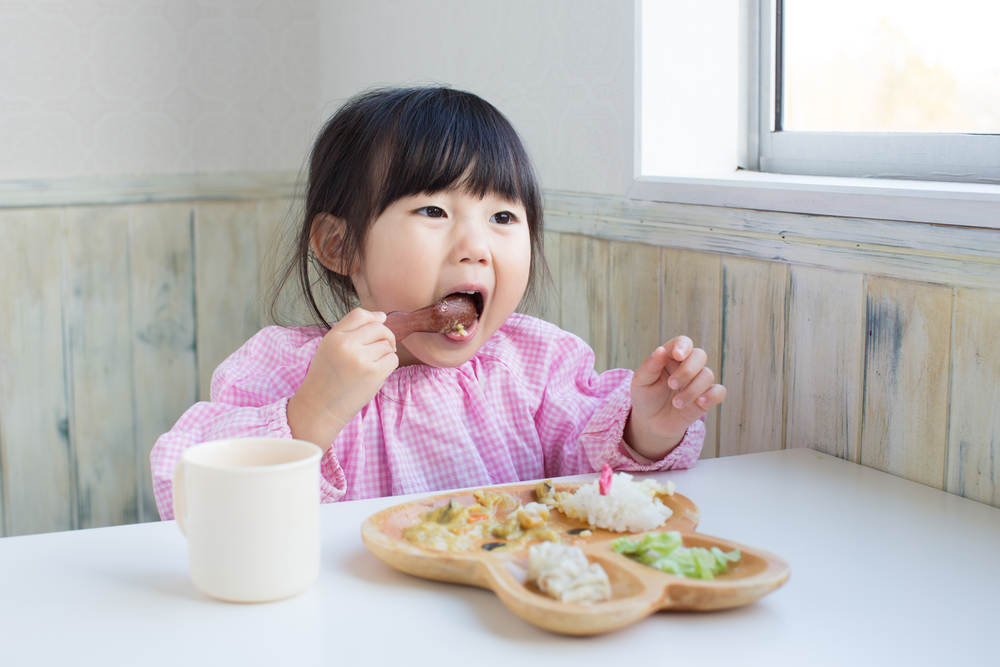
point(667, 553)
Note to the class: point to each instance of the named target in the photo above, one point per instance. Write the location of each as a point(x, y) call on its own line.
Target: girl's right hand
point(351, 364)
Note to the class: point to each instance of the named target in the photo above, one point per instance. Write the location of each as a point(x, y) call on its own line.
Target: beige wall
point(157, 87)
point(186, 86)
point(562, 70)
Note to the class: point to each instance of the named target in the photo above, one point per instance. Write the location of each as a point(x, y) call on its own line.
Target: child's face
point(427, 246)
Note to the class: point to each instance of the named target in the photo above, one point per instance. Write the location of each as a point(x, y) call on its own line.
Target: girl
point(415, 194)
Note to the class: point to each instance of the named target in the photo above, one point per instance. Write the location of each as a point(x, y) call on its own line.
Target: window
point(708, 132)
point(880, 88)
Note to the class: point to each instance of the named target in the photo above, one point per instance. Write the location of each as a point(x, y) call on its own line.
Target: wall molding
point(147, 188)
point(933, 253)
point(947, 255)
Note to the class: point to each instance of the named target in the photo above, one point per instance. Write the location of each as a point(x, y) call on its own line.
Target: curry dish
point(495, 521)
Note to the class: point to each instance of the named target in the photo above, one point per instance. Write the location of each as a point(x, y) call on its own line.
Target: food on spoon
point(452, 314)
point(628, 506)
point(564, 573)
point(666, 552)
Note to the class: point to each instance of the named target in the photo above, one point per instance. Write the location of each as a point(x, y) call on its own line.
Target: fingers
point(367, 328)
point(650, 369)
point(694, 389)
point(685, 373)
point(358, 318)
point(681, 360)
point(688, 369)
point(679, 348)
point(669, 356)
point(712, 396)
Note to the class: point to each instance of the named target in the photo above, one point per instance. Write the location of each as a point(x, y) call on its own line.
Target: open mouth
point(476, 297)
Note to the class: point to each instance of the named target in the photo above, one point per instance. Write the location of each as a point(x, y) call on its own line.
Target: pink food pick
point(605, 484)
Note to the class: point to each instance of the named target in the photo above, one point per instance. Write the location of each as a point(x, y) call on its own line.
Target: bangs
point(389, 143)
point(452, 140)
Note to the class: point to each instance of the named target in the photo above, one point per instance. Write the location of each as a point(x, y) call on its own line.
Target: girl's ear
point(327, 240)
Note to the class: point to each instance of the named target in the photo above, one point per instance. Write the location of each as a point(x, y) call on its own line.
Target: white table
point(884, 572)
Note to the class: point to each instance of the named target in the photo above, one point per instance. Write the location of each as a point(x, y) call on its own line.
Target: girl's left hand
point(670, 390)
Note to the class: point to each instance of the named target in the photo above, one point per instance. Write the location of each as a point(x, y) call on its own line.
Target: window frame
point(745, 186)
point(957, 157)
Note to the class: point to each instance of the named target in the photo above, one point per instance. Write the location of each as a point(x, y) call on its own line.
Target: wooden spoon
point(453, 313)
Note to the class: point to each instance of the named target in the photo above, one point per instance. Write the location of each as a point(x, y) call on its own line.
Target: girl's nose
point(470, 243)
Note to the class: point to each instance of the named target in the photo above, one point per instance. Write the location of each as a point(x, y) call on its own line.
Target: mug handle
point(180, 502)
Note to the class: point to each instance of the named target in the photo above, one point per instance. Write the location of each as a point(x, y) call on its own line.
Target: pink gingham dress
point(527, 406)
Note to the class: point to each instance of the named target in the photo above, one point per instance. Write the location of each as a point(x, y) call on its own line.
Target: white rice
point(629, 506)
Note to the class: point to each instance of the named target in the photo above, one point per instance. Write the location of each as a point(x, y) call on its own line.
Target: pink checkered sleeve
point(582, 414)
point(250, 392)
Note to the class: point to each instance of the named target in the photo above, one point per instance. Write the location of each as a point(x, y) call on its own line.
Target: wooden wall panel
point(226, 265)
point(35, 453)
point(114, 318)
point(278, 226)
point(753, 350)
point(102, 389)
point(166, 372)
point(692, 305)
point(272, 252)
point(974, 424)
point(634, 298)
point(550, 294)
point(905, 421)
point(584, 265)
point(825, 361)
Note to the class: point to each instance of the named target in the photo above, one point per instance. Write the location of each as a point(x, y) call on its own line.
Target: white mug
point(249, 508)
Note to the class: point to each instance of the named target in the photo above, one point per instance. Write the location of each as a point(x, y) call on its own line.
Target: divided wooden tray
point(637, 590)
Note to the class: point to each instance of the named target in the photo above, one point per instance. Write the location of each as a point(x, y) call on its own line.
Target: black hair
point(389, 143)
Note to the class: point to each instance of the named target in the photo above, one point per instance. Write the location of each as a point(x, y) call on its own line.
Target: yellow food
point(495, 516)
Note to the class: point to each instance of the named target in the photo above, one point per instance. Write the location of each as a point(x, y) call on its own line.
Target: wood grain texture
point(691, 305)
point(35, 453)
point(889, 236)
point(825, 361)
point(753, 350)
point(226, 265)
point(934, 253)
point(904, 428)
point(278, 227)
point(584, 264)
point(273, 251)
point(634, 303)
point(549, 292)
point(102, 389)
point(974, 423)
point(166, 370)
point(123, 189)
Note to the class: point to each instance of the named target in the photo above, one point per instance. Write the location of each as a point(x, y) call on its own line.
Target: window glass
point(891, 66)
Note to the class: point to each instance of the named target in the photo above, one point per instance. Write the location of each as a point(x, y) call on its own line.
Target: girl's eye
point(432, 212)
point(503, 218)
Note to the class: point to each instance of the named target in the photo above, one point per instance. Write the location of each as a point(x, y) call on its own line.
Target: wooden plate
point(637, 590)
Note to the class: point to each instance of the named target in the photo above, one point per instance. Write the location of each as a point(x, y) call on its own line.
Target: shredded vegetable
point(667, 553)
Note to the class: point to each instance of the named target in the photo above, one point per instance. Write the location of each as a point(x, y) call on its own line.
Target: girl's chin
point(439, 350)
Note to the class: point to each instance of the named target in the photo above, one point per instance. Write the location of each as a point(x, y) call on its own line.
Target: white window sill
point(934, 202)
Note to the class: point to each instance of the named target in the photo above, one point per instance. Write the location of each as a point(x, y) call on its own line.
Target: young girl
point(415, 194)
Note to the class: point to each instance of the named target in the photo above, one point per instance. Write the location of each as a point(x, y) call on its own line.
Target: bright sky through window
point(892, 66)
